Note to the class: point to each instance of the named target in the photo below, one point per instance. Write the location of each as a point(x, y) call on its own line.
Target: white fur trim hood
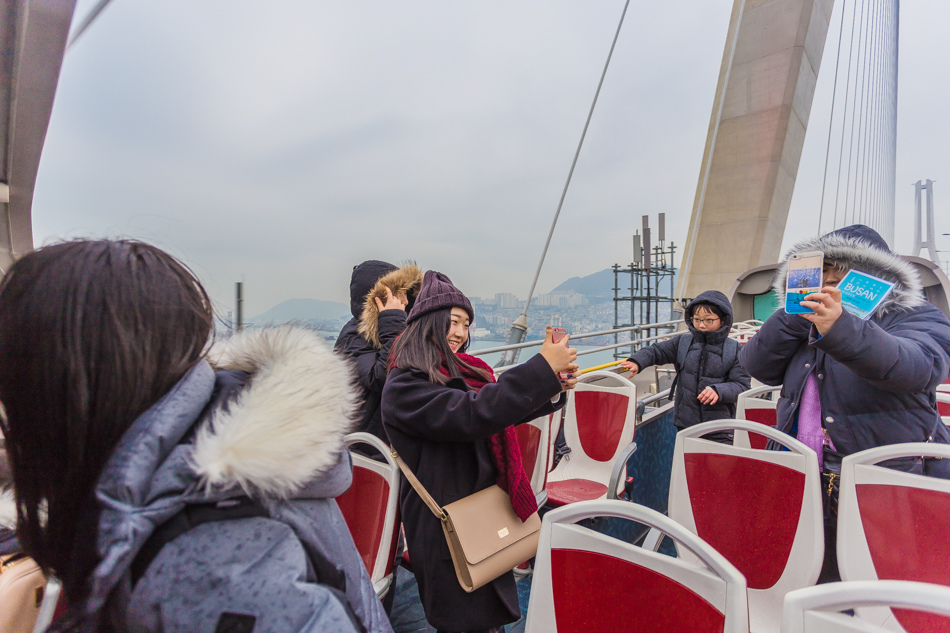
point(288, 425)
point(857, 253)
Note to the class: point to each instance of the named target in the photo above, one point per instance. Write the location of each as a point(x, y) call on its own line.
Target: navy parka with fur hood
point(712, 360)
point(368, 337)
point(876, 378)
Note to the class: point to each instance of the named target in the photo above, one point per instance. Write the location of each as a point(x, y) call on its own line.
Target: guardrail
point(639, 342)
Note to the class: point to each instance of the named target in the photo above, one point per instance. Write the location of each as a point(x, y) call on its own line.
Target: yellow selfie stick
point(604, 366)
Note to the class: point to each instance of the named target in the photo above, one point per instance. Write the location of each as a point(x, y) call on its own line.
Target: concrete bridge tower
point(756, 133)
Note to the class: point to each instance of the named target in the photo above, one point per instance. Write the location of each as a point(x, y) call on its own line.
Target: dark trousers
point(829, 494)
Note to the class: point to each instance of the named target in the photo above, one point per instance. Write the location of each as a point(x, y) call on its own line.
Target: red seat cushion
point(364, 510)
point(600, 421)
point(529, 440)
point(768, 417)
point(748, 510)
point(596, 592)
point(561, 493)
point(907, 534)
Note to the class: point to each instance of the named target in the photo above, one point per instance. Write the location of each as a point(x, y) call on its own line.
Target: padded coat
point(876, 378)
point(269, 424)
point(441, 431)
point(712, 360)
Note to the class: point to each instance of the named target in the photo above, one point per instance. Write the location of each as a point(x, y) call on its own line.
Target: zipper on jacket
point(702, 371)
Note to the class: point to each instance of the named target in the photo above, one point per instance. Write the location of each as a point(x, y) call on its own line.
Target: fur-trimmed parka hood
point(288, 424)
point(861, 248)
point(280, 437)
point(405, 281)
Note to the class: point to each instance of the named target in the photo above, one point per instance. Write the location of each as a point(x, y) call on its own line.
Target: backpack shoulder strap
point(191, 516)
point(682, 349)
point(732, 344)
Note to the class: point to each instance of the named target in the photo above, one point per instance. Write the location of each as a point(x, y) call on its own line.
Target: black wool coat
point(712, 360)
point(441, 431)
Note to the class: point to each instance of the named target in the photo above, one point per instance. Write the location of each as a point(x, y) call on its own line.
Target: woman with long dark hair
point(169, 486)
point(453, 425)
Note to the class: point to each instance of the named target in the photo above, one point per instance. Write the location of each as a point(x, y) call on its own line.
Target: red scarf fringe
point(505, 450)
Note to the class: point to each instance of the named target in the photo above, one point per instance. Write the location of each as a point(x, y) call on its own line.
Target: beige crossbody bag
point(485, 536)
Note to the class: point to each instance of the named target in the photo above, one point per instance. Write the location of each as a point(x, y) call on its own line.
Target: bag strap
point(191, 516)
point(419, 488)
point(681, 353)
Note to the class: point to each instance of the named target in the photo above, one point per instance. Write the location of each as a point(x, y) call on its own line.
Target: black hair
point(92, 334)
point(712, 307)
point(424, 346)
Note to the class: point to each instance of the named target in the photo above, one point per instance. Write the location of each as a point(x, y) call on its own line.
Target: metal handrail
point(656, 397)
point(632, 328)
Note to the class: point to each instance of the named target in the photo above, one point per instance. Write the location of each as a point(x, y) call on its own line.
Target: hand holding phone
point(557, 335)
point(804, 277)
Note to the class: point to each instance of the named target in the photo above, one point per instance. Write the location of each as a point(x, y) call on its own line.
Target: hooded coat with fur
point(269, 424)
point(711, 359)
point(876, 378)
point(368, 337)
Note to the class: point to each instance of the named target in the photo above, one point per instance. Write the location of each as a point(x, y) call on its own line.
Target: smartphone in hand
point(557, 335)
point(804, 278)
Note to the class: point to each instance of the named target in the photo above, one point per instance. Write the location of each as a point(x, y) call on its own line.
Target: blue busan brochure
point(861, 294)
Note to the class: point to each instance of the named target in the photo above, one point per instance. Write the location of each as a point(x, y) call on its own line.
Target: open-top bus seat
point(599, 425)
point(753, 405)
point(587, 581)
point(760, 509)
point(894, 525)
point(534, 440)
point(371, 510)
point(818, 609)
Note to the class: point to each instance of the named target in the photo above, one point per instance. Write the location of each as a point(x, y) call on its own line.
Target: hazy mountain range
point(598, 287)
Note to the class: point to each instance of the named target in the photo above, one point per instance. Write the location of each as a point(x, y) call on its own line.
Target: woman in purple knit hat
point(453, 424)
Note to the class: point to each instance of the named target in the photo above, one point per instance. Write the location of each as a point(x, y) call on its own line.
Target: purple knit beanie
point(438, 292)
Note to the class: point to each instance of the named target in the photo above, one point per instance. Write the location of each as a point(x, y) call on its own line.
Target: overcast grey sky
point(281, 143)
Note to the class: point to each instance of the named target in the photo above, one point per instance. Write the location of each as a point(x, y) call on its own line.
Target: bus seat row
point(761, 512)
point(586, 581)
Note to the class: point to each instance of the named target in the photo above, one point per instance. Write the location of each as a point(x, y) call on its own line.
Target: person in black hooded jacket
point(709, 377)
point(380, 296)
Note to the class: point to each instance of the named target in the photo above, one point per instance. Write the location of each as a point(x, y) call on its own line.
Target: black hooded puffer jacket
point(369, 361)
point(711, 360)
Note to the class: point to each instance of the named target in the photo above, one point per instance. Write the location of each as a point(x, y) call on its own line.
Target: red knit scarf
point(505, 451)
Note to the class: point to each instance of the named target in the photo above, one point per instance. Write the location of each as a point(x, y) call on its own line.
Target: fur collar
point(7, 509)
point(406, 281)
point(861, 255)
point(288, 424)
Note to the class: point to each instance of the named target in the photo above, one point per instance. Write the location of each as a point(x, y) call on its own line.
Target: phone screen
point(804, 277)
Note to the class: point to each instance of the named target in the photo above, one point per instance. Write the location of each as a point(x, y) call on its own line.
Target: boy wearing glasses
point(709, 377)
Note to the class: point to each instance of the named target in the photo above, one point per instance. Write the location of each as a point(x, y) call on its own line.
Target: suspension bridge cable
point(834, 91)
point(844, 117)
point(87, 22)
point(847, 190)
point(570, 173)
point(868, 113)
